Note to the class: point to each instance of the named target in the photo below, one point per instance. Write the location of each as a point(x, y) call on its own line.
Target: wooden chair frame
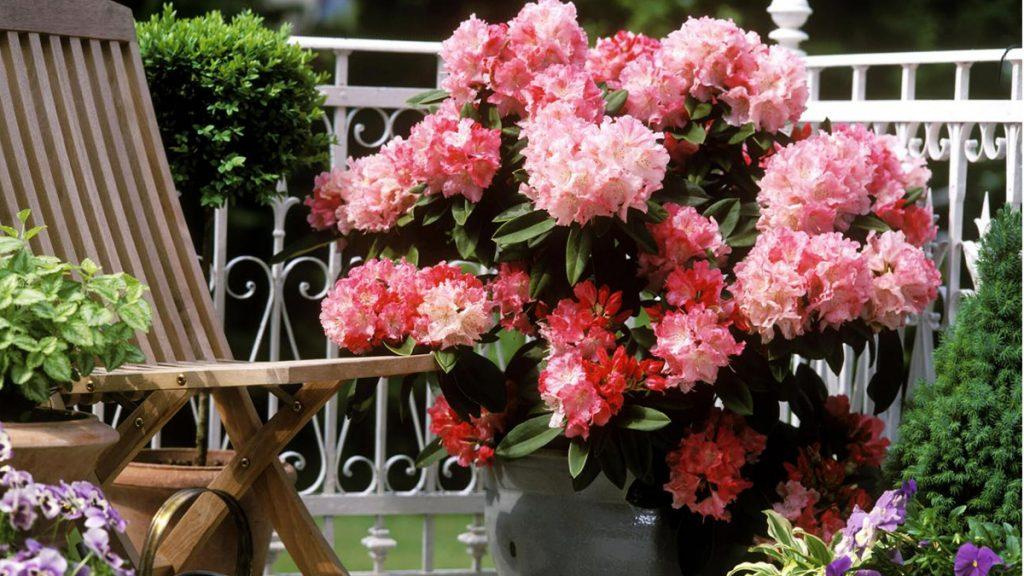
point(79, 145)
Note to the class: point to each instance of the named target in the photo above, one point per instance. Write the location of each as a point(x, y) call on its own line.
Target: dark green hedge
point(236, 104)
point(961, 437)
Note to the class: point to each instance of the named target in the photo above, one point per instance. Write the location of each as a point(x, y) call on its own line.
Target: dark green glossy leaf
point(528, 437)
point(634, 417)
point(577, 252)
point(523, 228)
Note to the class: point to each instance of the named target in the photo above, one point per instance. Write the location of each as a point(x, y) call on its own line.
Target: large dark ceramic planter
point(537, 525)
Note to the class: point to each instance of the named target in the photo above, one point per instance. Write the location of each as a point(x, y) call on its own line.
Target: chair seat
point(231, 373)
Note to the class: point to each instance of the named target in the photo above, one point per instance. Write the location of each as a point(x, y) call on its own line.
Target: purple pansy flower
point(839, 566)
point(974, 561)
point(20, 506)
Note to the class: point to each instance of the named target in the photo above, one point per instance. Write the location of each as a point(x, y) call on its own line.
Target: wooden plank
point(257, 456)
point(82, 18)
point(232, 374)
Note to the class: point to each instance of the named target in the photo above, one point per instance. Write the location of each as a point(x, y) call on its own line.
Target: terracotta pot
point(155, 475)
point(59, 446)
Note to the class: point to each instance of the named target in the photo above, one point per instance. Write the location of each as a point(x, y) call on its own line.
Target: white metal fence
point(956, 133)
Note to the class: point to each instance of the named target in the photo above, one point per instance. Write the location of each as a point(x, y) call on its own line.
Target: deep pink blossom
point(684, 236)
point(454, 155)
point(374, 304)
point(510, 291)
point(610, 55)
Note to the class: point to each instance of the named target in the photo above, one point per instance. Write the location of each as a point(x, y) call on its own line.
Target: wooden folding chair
point(79, 145)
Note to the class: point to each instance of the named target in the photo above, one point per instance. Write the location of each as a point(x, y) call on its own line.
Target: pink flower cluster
point(510, 292)
point(587, 374)
point(903, 279)
point(609, 56)
point(821, 184)
point(469, 442)
point(579, 170)
point(714, 60)
point(705, 471)
point(383, 302)
point(454, 155)
point(694, 344)
point(681, 238)
point(507, 58)
point(369, 196)
point(792, 282)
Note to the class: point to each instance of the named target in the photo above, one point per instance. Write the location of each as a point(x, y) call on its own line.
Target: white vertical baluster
point(789, 16)
point(860, 83)
point(957, 183)
point(338, 155)
point(475, 539)
point(1013, 145)
point(379, 542)
point(908, 91)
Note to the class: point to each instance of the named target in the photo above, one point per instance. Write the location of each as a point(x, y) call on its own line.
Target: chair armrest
point(223, 374)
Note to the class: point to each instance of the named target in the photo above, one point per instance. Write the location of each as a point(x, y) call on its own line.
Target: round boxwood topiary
point(237, 105)
point(961, 436)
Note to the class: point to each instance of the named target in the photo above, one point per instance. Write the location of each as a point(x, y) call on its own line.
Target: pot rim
point(73, 417)
point(141, 461)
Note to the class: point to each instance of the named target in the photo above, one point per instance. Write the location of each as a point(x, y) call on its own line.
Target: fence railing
point(957, 134)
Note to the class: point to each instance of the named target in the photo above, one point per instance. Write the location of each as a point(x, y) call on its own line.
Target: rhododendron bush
point(649, 216)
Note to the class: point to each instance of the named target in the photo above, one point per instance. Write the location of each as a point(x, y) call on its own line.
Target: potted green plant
point(58, 321)
point(238, 107)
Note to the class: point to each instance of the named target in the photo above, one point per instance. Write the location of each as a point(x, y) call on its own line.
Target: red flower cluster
point(587, 373)
point(705, 471)
point(470, 442)
point(819, 495)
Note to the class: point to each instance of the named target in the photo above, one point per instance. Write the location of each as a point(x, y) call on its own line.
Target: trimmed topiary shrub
point(236, 103)
point(961, 437)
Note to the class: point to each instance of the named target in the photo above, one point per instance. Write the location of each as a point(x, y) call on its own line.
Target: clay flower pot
point(59, 445)
point(154, 475)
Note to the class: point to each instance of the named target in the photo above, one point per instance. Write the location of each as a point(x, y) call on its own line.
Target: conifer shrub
point(961, 436)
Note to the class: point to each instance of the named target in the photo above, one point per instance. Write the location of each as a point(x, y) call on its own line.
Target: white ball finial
point(789, 16)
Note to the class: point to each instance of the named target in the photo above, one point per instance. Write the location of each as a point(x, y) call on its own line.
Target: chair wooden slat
point(15, 144)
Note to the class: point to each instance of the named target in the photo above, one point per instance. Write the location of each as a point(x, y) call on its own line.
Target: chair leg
point(256, 465)
point(137, 429)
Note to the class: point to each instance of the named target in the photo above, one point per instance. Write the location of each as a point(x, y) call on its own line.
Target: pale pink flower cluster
point(567, 85)
point(821, 184)
point(382, 302)
point(904, 280)
point(369, 196)
point(815, 185)
point(694, 344)
point(792, 282)
point(784, 279)
point(454, 155)
point(795, 499)
point(454, 308)
point(610, 55)
point(655, 95)
point(510, 292)
point(895, 173)
point(713, 60)
point(507, 58)
point(682, 237)
point(580, 170)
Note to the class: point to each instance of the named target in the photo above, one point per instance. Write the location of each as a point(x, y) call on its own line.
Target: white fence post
point(789, 16)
